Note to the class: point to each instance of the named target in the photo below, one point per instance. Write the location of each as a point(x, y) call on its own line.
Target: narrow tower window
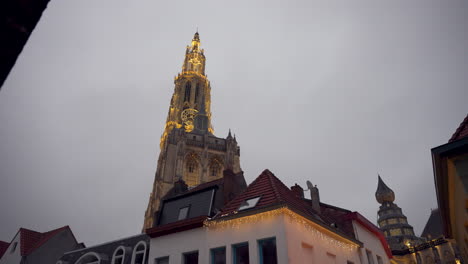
point(188, 87)
point(197, 91)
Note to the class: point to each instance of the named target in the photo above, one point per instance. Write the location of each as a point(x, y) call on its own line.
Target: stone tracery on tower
point(189, 149)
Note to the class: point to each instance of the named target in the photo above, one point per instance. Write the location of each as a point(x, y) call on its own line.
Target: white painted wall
point(295, 243)
point(204, 239)
point(371, 242)
point(305, 246)
point(12, 257)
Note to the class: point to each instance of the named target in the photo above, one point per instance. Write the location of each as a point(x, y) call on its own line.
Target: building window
point(188, 87)
point(218, 255)
point(190, 257)
point(197, 91)
point(240, 253)
point(119, 255)
point(250, 203)
point(370, 259)
point(331, 258)
point(395, 232)
point(392, 221)
point(267, 251)
point(13, 248)
point(89, 258)
point(183, 213)
point(162, 260)
point(379, 259)
point(139, 253)
point(191, 175)
point(215, 169)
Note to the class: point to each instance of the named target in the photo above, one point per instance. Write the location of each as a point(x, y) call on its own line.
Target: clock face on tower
point(187, 116)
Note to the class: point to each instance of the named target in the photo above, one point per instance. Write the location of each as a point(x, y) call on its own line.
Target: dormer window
point(249, 203)
point(183, 213)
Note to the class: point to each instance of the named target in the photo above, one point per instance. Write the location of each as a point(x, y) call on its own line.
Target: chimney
point(233, 184)
point(315, 198)
point(180, 187)
point(298, 191)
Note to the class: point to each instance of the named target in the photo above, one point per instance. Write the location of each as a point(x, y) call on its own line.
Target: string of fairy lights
point(292, 217)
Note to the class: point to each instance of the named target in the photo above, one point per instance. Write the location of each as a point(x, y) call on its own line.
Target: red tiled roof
point(461, 132)
point(3, 247)
point(177, 226)
point(31, 240)
point(272, 192)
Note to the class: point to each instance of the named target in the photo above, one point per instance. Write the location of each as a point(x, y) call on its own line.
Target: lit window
point(139, 253)
point(370, 259)
point(395, 232)
point(190, 257)
point(118, 257)
point(267, 251)
point(392, 221)
point(163, 260)
point(218, 255)
point(183, 213)
point(240, 253)
point(250, 203)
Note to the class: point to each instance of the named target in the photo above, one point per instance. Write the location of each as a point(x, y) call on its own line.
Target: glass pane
point(191, 258)
point(241, 254)
point(164, 260)
point(139, 258)
point(268, 251)
point(183, 213)
point(218, 256)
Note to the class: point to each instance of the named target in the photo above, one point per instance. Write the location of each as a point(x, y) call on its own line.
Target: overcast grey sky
point(332, 93)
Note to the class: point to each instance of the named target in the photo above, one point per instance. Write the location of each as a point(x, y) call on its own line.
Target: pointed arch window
point(191, 175)
point(139, 253)
point(118, 256)
point(215, 168)
point(188, 87)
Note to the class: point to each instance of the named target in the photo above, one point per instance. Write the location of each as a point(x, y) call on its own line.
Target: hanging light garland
point(293, 217)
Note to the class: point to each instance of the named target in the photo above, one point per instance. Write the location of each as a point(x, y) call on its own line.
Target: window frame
point(248, 205)
point(115, 252)
point(135, 252)
point(212, 250)
point(260, 251)
point(234, 249)
point(190, 252)
point(186, 214)
point(161, 258)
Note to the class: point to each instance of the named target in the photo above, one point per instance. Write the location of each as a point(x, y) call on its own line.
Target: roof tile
point(31, 240)
point(3, 247)
point(461, 132)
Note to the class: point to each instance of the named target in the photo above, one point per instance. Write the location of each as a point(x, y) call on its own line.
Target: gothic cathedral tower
point(189, 149)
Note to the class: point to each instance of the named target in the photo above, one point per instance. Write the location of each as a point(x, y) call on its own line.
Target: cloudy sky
point(332, 93)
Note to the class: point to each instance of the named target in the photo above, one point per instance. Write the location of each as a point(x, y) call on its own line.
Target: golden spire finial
point(196, 41)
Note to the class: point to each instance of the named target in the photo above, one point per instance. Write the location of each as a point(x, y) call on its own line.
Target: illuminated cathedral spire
point(190, 151)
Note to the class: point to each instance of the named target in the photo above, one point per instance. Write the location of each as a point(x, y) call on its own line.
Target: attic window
point(250, 203)
point(183, 213)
